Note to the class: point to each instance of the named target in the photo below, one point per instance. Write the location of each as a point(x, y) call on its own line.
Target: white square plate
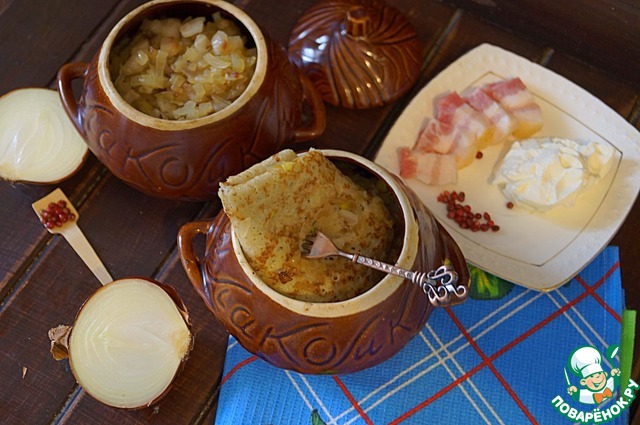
point(538, 250)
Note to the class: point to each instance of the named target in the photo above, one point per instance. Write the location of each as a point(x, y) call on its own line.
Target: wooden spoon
point(73, 235)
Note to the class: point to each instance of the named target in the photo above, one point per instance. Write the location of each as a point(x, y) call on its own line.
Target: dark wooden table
point(42, 281)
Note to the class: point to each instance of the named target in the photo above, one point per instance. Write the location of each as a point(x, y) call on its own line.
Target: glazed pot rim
point(381, 290)
point(141, 118)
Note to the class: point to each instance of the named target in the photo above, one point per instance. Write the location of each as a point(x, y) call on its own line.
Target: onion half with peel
point(128, 342)
point(38, 141)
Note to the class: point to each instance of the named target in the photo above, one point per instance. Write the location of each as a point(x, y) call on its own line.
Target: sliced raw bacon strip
point(443, 138)
point(452, 109)
point(516, 99)
point(428, 167)
point(466, 146)
point(436, 136)
point(462, 126)
point(503, 122)
point(408, 163)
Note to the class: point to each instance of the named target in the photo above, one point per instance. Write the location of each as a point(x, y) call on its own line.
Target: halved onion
point(38, 142)
point(127, 343)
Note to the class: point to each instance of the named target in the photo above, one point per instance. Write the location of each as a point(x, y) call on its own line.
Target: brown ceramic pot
point(358, 53)
point(187, 159)
point(322, 338)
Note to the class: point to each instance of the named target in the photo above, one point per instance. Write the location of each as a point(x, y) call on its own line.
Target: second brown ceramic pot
point(323, 338)
point(187, 159)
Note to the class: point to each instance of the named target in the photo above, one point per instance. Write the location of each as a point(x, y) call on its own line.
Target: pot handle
point(66, 75)
point(317, 126)
point(188, 257)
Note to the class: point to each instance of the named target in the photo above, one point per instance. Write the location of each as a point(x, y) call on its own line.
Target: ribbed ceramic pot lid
point(358, 53)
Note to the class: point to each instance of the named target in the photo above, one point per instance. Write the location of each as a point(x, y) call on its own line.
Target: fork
point(438, 284)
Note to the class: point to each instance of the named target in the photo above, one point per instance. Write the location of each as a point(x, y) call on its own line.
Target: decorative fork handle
point(438, 284)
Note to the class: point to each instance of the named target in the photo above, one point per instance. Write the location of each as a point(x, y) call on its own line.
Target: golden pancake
point(275, 204)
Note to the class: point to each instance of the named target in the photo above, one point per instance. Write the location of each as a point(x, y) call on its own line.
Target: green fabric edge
point(626, 346)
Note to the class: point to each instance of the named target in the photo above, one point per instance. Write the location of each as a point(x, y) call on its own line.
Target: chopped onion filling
point(183, 70)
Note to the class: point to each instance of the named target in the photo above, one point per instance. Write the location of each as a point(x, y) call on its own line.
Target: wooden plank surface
point(35, 41)
point(600, 33)
point(43, 283)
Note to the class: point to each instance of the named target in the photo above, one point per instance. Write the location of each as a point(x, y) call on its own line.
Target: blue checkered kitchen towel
point(502, 357)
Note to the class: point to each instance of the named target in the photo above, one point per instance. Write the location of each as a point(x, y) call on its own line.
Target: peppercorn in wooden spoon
point(58, 215)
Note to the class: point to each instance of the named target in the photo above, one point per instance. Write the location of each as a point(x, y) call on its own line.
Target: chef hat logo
point(586, 361)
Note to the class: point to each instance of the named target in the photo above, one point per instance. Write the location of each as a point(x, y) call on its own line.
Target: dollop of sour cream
point(542, 173)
